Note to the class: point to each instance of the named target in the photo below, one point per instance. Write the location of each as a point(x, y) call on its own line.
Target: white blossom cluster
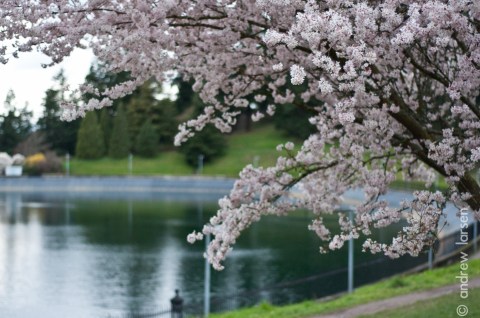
point(392, 87)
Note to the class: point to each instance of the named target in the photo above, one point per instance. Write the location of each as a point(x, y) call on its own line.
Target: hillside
point(257, 146)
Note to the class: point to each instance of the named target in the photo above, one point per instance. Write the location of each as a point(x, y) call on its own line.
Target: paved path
point(476, 255)
point(399, 301)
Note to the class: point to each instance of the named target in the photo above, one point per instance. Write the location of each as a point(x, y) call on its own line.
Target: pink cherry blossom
point(392, 87)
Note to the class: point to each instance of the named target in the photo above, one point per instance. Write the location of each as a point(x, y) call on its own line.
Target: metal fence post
point(256, 160)
point(177, 305)
point(430, 258)
point(350, 258)
point(206, 299)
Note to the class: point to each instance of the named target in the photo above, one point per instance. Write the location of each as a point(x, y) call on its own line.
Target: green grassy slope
point(257, 146)
point(242, 150)
point(397, 285)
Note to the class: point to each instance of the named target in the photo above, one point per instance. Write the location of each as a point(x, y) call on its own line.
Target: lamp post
point(206, 295)
point(130, 164)
point(67, 164)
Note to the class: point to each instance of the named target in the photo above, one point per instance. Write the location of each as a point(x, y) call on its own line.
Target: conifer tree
point(139, 109)
point(119, 146)
point(14, 124)
point(106, 125)
point(90, 142)
point(60, 135)
point(146, 144)
point(164, 122)
point(209, 143)
point(161, 113)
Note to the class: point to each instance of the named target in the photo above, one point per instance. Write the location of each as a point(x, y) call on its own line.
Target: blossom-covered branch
point(393, 86)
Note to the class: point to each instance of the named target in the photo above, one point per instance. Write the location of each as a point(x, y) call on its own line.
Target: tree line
point(143, 123)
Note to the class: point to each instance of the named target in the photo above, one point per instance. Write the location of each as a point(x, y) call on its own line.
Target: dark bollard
point(177, 305)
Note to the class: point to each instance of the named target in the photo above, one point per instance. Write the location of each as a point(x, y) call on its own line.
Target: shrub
point(209, 142)
point(39, 163)
point(35, 159)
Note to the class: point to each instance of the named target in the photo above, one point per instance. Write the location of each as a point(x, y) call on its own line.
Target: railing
point(313, 283)
point(280, 294)
point(166, 313)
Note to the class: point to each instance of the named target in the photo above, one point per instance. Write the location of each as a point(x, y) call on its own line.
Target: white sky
point(26, 77)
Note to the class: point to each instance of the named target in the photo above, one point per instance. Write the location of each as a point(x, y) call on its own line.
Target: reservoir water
point(102, 256)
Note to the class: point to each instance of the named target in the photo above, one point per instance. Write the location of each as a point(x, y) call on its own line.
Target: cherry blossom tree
point(392, 87)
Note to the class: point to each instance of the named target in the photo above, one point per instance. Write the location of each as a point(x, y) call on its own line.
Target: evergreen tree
point(90, 144)
point(145, 106)
point(15, 125)
point(139, 109)
point(100, 78)
point(146, 144)
point(209, 142)
point(60, 135)
point(164, 122)
point(119, 146)
point(106, 125)
point(184, 96)
point(293, 121)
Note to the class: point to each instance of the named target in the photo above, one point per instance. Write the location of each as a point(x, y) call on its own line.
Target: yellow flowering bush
point(35, 160)
point(40, 163)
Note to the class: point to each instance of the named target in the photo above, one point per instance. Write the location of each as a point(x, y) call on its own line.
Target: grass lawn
point(246, 148)
point(243, 148)
point(257, 146)
point(445, 307)
point(397, 285)
point(169, 163)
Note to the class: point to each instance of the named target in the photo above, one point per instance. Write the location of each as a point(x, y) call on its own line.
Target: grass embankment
point(257, 146)
point(243, 149)
point(395, 286)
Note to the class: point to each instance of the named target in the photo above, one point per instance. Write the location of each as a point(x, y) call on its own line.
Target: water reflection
point(92, 257)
